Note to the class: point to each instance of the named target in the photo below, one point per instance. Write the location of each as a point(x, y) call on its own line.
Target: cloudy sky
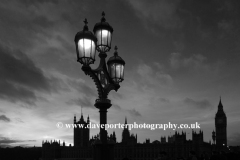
point(181, 56)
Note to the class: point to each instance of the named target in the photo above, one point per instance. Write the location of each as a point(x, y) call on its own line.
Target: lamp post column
point(103, 150)
point(103, 105)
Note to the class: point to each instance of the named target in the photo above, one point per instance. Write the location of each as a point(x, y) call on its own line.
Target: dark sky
point(181, 56)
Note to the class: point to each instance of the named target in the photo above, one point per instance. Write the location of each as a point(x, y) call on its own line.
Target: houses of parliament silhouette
point(176, 145)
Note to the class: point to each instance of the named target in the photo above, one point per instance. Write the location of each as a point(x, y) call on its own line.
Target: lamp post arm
point(101, 77)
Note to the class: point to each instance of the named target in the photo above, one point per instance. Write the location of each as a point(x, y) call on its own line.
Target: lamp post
point(107, 76)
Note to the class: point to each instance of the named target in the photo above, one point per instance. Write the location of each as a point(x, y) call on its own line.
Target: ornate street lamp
point(105, 78)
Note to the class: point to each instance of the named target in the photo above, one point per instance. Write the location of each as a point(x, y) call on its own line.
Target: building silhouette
point(81, 134)
point(173, 147)
point(221, 126)
point(126, 137)
point(20, 153)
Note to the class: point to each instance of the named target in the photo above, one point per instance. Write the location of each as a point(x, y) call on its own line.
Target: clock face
point(220, 121)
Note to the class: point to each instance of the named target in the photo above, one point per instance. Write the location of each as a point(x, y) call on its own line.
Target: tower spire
point(81, 111)
point(88, 120)
point(81, 115)
point(74, 120)
point(220, 106)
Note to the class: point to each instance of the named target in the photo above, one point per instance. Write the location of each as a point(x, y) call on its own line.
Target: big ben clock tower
point(221, 126)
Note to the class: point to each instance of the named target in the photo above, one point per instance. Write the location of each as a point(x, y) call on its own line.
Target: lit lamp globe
point(103, 32)
point(86, 46)
point(116, 67)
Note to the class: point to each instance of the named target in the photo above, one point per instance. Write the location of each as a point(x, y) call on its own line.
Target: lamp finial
point(116, 52)
point(103, 18)
point(85, 21)
point(85, 26)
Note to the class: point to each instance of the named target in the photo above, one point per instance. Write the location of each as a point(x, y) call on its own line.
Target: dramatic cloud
point(150, 76)
point(19, 77)
point(202, 104)
point(5, 140)
point(19, 120)
point(195, 61)
point(66, 137)
point(83, 88)
point(116, 95)
point(117, 107)
point(165, 100)
point(157, 102)
point(134, 113)
point(82, 102)
point(38, 19)
point(162, 13)
point(4, 118)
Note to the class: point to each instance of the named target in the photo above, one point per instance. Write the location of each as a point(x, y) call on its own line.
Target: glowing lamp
point(86, 46)
point(116, 67)
point(103, 32)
